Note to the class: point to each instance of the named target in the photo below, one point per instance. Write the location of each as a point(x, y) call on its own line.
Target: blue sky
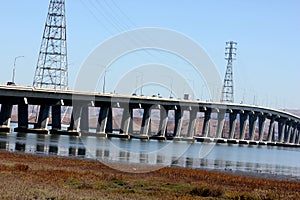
point(266, 71)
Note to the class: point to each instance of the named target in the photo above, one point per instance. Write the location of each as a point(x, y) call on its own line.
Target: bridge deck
point(235, 123)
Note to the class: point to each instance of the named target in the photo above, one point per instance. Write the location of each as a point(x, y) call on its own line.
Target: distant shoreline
point(55, 177)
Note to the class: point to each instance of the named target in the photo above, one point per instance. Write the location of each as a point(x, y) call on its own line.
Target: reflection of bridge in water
point(220, 122)
point(157, 154)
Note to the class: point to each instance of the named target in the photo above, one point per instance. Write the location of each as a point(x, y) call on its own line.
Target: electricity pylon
point(227, 91)
point(52, 66)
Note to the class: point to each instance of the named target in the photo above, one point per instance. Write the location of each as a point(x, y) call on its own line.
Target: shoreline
point(251, 174)
point(56, 177)
point(229, 171)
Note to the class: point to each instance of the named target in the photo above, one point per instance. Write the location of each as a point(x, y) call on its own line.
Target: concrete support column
point(131, 121)
point(178, 122)
point(102, 119)
point(243, 123)
point(23, 115)
point(84, 119)
point(281, 129)
point(150, 125)
point(298, 136)
point(163, 122)
point(146, 121)
point(261, 126)
point(75, 118)
point(232, 124)
point(56, 117)
point(206, 123)
point(192, 123)
point(221, 121)
point(5, 114)
point(126, 120)
point(295, 132)
point(252, 125)
point(288, 132)
point(43, 118)
point(271, 129)
point(109, 123)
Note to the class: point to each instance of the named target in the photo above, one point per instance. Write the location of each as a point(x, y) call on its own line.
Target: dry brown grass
point(32, 177)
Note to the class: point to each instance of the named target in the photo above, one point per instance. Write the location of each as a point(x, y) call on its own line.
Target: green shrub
point(205, 191)
point(242, 196)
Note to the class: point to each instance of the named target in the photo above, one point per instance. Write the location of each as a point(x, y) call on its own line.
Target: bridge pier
point(178, 122)
point(104, 119)
point(109, 123)
point(232, 124)
point(126, 125)
point(252, 125)
point(287, 135)
point(298, 135)
point(22, 116)
point(75, 119)
point(146, 122)
point(192, 123)
point(56, 117)
point(5, 117)
point(271, 129)
point(162, 129)
point(261, 126)
point(295, 132)
point(243, 123)
point(221, 120)
point(41, 126)
point(43, 119)
point(84, 119)
point(206, 123)
point(281, 129)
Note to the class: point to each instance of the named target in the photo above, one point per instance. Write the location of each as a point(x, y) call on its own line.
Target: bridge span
point(204, 121)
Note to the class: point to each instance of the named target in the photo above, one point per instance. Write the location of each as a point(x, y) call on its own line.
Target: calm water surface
point(246, 158)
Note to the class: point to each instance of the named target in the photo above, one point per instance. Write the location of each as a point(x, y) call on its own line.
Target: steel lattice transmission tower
point(52, 66)
point(227, 91)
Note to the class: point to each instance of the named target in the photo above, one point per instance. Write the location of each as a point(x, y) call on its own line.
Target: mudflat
point(24, 176)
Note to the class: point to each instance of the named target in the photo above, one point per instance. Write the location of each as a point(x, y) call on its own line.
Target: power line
point(109, 13)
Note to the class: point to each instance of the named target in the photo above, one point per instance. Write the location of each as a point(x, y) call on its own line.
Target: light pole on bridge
point(14, 70)
point(171, 86)
point(104, 79)
point(142, 82)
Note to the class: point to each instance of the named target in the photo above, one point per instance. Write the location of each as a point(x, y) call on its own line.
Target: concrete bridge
point(220, 122)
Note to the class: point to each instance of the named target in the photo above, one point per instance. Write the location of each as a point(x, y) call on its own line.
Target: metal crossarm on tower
point(52, 66)
point(227, 91)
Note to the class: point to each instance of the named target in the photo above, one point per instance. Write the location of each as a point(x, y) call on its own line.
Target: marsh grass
point(207, 191)
point(32, 177)
point(21, 167)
